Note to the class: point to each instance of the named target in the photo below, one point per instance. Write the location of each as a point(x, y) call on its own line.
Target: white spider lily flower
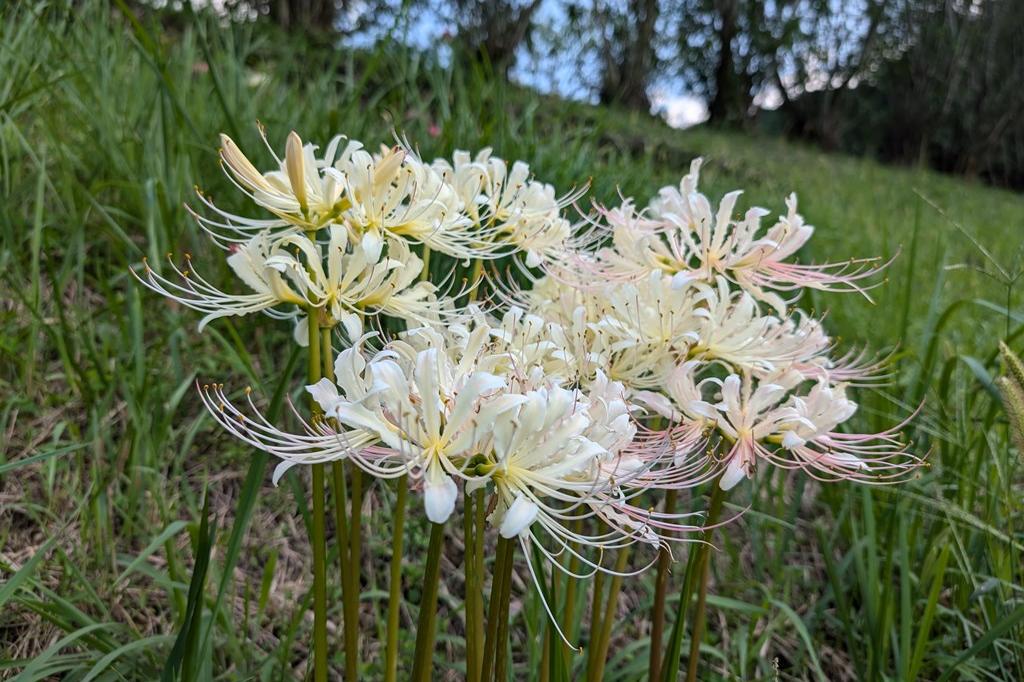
point(548, 468)
point(290, 273)
point(270, 290)
point(439, 494)
point(318, 442)
point(428, 417)
point(651, 317)
point(522, 345)
point(509, 209)
point(626, 333)
point(304, 192)
point(733, 329)
point(394, 193)
point(518, 517)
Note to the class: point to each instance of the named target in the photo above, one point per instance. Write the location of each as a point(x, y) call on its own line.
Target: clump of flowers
point(641, 352)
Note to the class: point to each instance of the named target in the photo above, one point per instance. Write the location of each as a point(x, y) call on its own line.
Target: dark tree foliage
point(934, 81)
point(954, 98)
point(494, 30)
point(939, 82)
point(316, 18)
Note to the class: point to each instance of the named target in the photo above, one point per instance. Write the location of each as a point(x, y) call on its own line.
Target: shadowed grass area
point(107, 462)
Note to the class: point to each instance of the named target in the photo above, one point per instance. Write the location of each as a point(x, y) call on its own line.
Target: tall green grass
point(137, 541)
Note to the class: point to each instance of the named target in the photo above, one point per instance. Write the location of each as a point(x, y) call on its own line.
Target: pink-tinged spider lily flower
point(710, 242)
point(681, 235)
point(680, 454)
point(801, 433)
point(759, 265)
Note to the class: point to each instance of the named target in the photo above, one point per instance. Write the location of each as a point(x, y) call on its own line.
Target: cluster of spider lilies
point(566, 391)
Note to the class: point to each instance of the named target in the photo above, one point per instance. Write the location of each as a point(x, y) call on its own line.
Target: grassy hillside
point(106, 124)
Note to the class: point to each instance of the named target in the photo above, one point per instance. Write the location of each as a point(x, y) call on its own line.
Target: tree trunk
point(308, 16)
point(626, 79)
point(732, 96)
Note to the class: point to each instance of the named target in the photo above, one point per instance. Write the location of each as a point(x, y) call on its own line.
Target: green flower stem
point(660, 590)
point(472, 593)
point(355, 537)
point(479, 540)
point(545, 657)
point(425, 272)
point(475, 280)
point(494, 607)
point(504, 602)
point(319, 536)
point(569, 611)
point(350, 616)
point(395, 580)
point(350, 611)
point(704, 563)
point(426, 626)
point(611, 606)
point(594, 638)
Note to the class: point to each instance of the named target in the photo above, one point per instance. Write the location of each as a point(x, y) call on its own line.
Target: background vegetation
point(107, 120)
point(936, 82)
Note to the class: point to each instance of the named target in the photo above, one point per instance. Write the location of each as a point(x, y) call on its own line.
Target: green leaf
point(42, 456)
point(145, 643)
point(982, 375)
point(995, 632)
point(170, 531)
point(182, 658)
point(36, 669)
point(11, 586)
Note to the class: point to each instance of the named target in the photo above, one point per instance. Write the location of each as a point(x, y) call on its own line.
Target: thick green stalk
point(426, 626)
point(476, 280)
point(545, 656)
point(660, 590)
point(494, 608)
point(594, 639)
point(697, 631)
point(611, 606)
point(347, 589)
point(395, 584)
point(501, 639)
point(319, 538)
point(355, 537)
point(673, 653)
point(472, 593)
point(479, 540)
point(569, 611)
point(350, 615)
